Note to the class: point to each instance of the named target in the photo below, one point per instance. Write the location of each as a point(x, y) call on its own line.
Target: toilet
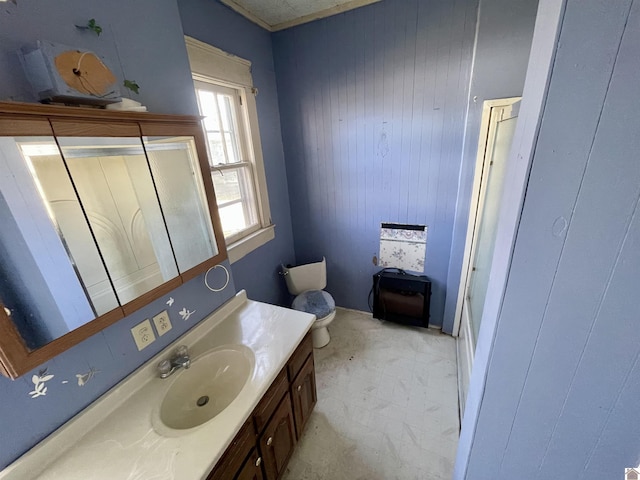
point(307, 283)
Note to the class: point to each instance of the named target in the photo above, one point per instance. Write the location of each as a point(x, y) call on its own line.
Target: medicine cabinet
point(102, 212)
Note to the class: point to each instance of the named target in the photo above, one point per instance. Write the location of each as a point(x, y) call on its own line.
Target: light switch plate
point(162, 322)
point(143, 334)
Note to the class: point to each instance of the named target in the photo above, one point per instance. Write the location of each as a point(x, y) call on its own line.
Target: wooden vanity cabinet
point(267, 406)
point(252, 468)
point(236, 456)
point(303, 394)
point(299, 356)
point(265, 443)
point(278, 440)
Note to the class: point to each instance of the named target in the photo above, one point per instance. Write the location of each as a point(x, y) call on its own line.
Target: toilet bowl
point(307, 283)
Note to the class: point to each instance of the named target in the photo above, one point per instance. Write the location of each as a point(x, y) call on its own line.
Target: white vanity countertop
point(119, 436)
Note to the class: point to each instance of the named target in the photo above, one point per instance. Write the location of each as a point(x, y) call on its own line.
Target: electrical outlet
point(162, 322)
point(143, 334)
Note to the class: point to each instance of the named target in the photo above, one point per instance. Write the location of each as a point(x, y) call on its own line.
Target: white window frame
point(212, 65)
point(244, 155)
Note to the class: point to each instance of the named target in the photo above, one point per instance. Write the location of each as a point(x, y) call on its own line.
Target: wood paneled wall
point(561, 391)
point(372, 104)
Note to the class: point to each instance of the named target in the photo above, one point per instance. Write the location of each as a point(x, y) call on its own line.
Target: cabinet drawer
point(299, 357)
point(270, 401)
point(236, 453)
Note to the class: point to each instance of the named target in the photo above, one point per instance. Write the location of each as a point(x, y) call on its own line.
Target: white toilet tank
point(312, 276)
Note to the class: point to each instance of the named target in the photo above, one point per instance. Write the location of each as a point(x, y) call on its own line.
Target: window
point(226, 98)
point(231, 169)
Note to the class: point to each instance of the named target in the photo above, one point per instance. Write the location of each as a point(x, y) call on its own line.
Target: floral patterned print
point(185, 313)
point(39, 380)
point(83, 378)
point(403, 248)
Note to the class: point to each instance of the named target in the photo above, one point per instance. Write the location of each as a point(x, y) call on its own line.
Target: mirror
point(174, 164)
point(116, 192)
point(39, 287)
point(90, 224)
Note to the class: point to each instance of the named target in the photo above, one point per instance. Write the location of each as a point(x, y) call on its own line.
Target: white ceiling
point(280, 14)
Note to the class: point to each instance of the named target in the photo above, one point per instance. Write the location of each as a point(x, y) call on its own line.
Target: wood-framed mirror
point(102, 213)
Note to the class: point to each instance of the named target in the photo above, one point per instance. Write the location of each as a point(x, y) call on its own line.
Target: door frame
point(483, 143)
point(465, 344)
point(535, 94)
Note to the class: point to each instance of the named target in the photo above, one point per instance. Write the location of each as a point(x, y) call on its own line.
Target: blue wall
point(561, 391)
point(148, 38)
point(373, 105)
point(151, 48)
point(215, 24)
point(505, 30)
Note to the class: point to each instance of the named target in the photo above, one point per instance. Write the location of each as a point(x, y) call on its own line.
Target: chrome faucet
point(180, 359)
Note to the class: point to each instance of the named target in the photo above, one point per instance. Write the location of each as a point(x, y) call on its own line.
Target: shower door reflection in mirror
point(90, 224)
point(113, 182)
point(41, 287)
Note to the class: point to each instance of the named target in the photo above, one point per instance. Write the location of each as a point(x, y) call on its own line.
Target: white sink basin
point(209, 386)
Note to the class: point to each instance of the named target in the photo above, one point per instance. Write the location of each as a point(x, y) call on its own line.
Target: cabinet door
point(233, 459)
point(303, 393)
point(271, 400)
point(252, 468)
point(278, 440)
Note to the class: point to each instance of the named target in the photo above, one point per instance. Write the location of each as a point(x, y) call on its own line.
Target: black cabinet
point(402, 298)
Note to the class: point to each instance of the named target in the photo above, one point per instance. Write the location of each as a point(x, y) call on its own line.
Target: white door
point(493, 152)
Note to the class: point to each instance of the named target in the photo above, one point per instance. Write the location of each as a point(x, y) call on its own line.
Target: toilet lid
point(317, 302)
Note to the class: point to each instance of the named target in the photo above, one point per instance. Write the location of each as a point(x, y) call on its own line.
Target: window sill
point(248, 244)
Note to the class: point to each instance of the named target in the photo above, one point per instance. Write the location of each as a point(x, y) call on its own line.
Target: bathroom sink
point(209, 386)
